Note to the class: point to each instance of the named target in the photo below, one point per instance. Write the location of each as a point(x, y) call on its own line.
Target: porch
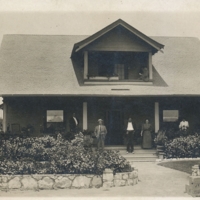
point(24, 112)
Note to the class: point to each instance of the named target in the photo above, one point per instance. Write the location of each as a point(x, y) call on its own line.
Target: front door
point(114, 125)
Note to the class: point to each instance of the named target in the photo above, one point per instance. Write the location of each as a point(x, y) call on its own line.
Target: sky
point(84, 17)
point(67, 17)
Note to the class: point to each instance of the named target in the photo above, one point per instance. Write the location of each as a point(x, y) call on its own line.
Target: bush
point(183, 147)
point(47, 155)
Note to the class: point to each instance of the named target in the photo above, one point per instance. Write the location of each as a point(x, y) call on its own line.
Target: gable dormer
point(117, 54)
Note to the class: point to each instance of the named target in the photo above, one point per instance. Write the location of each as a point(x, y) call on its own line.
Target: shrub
point(183, 147)
point(49, 155)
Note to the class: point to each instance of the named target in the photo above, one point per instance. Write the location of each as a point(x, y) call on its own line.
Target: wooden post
point(150, 66)
point(85, 116)
point(4, 117)
point(85, 74)
point(157, 121)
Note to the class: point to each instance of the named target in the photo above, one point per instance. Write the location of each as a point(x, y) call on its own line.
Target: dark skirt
point(147, 140)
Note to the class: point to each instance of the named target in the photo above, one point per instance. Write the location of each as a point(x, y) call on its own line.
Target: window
point(54, 119)
point(55, 116)
point(170, 115)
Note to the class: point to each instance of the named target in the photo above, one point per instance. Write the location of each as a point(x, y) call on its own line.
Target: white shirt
point(184, 125)
point(75, 121)
point(130, 126)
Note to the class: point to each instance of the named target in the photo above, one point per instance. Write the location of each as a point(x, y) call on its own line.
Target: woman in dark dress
point(146, 133)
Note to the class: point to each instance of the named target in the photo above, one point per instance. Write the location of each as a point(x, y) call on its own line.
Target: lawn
point(182, 165)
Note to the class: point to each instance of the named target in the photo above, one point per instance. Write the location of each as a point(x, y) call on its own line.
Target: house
point(113, 74)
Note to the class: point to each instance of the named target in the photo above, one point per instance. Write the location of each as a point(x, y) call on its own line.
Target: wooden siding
point(119, 39)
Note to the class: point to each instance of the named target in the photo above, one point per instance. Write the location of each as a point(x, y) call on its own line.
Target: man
point(184, 125)
point(130, 135)
point(73, 123)
point(144, 74)
point(100, 132)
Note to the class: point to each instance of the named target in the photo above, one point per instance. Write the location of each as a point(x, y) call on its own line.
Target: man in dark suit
point(73, 123)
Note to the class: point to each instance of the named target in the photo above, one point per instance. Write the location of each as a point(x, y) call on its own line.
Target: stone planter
point(119, 179)
point(160, 151)
point(193, 188)
point(160, 147)
point(67, 181)
point(161, 155)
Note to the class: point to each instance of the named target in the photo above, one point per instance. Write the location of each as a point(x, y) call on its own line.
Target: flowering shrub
point(183, 147)
point(38, 149)
point(49, 155)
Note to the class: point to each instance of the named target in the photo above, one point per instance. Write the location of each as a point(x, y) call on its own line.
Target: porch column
point(85, 73)
point(4, 117)
point(157, 121)
point(150, 66)
point(85, 125)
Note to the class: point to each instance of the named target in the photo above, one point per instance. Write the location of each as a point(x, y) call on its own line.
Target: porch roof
point(41, 65)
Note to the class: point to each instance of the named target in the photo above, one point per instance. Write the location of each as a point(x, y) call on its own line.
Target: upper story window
point(118, 66)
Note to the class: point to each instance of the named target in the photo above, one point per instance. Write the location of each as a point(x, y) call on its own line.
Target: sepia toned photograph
point(99, 99)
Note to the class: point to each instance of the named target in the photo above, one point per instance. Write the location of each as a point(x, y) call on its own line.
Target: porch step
point(138, 151)
point(119, 147)
point(139, 158)
point(140, 155)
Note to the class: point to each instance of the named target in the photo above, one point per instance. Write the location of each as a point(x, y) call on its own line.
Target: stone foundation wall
point(64, 181)
point(49, 182)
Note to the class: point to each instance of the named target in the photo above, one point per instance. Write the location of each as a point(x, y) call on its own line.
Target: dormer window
point(118, 54)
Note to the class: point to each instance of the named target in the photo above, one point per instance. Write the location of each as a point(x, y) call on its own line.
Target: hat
point(100, 120)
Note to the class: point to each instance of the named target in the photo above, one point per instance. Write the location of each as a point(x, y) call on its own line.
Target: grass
point(182, 165)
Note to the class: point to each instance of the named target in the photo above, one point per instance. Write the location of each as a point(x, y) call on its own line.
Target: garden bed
point(51, 163)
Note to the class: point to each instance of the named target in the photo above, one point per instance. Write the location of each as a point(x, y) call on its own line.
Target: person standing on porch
point(73, 123)
point(146, 134)
point(184, 125)
point(100, 132)
point(130, 136)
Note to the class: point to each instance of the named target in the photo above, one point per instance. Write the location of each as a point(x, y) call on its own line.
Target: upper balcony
point(118, 68)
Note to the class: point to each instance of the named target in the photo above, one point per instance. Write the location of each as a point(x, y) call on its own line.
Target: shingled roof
point(41, 65)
